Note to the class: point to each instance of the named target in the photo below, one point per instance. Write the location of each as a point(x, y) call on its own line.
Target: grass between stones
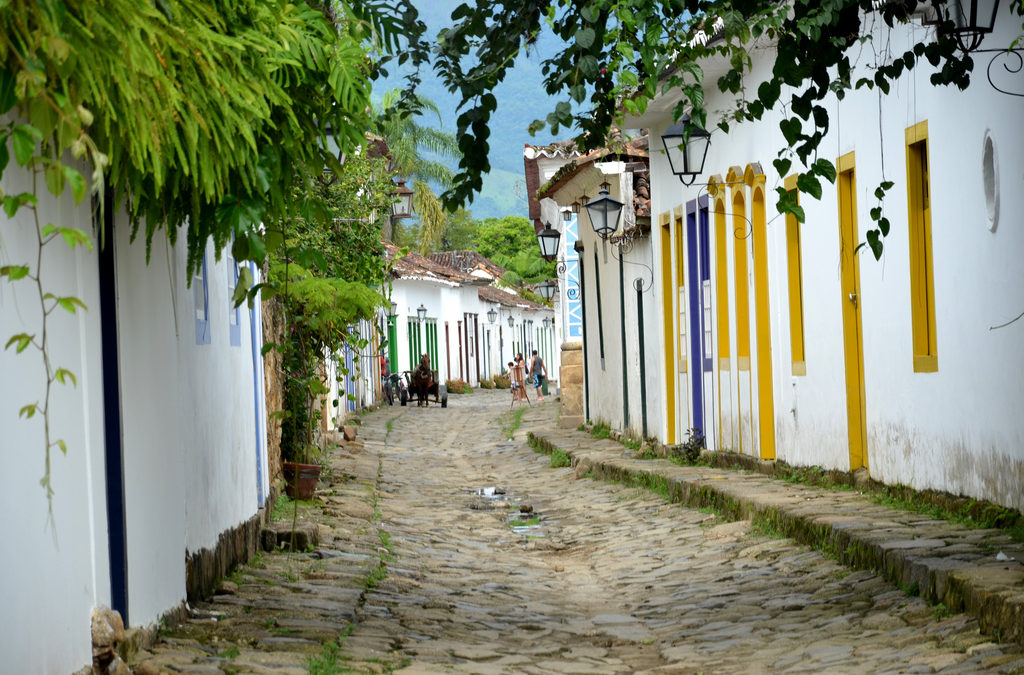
point(518, 522)
point(599, 430)
point(386, 554)
point(330, 660)
point(511, 421)
point(835, 544)
point(559, 459)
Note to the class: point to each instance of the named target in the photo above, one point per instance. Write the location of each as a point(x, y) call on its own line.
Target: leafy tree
point(339, 228)
point(512, 243)
point(524, 267)
point(459, 232)
point(505, 236)
point(615, 53)
point(411, 146)
point(326, 274)
point(410, 143)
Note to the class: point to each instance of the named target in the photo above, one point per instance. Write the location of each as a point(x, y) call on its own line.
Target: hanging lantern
point(687, 147)
point(604, 212)
point(968, 21)
point(548, 240)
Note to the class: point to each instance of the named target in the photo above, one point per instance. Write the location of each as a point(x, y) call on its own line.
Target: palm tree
point(408, 143)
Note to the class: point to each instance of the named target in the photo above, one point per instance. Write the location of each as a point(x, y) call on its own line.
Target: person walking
point(540, 373)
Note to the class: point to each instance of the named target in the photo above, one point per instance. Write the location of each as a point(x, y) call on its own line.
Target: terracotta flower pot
point(300, 479)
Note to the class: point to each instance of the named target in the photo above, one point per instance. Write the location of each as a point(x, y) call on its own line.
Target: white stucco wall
point(618, 310)
point(189, 436)
point(188, 419)
point(56, 569)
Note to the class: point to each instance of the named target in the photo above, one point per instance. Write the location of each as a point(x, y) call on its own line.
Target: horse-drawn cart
point(423, 383)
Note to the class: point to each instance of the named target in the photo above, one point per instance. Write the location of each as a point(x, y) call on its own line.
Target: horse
point(422, 382)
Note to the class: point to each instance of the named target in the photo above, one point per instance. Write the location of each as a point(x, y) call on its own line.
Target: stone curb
point(977, 572)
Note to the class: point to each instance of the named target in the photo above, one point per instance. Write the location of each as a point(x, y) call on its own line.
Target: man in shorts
point(539, 372)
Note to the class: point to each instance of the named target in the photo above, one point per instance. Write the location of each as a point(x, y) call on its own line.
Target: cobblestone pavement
point(447, 546)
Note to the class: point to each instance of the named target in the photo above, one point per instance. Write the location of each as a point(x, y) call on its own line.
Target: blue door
point(697, 255)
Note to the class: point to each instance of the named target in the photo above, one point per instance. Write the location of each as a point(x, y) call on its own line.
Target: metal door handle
point(853, 299)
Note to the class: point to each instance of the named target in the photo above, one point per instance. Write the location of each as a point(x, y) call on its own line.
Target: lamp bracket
point(1011, 60)
point(638, 283)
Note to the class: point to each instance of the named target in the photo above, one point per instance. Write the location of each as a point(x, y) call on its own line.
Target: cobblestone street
point(447, 546)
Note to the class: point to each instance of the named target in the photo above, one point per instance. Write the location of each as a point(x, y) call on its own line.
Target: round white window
point(990, 180)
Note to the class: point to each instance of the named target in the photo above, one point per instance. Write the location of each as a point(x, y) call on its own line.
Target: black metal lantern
point(421, 312)
point(971, 20)
point(546, 322)
point(686, 146)
point(548, 240)
point(547, 289)
point(492, 315)
point(511, 321)
point(403, 207)
point(567, 215)
point(604, 212)
point(394, 308)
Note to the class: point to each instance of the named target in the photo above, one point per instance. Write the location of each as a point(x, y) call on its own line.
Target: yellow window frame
point(919, 226)
point(794, 263)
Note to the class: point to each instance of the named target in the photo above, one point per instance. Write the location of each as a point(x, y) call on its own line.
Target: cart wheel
point(405, 397)
point(444, 401)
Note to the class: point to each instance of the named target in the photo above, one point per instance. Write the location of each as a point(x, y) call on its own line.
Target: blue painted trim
point(113, 449)
point(235, 326)
point(696, 314)
point(203, 324)
point(257, 387)
point(703, 225)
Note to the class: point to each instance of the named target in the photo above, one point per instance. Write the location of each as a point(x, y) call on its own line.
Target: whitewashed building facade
point(456, 328)
point(799, 347)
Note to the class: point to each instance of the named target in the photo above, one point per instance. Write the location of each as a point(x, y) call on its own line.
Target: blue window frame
point(201, 297)
point(234, 321)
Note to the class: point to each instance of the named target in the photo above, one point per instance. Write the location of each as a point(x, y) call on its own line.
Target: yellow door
point(668, 324)
point(726, 428)
point(744, 392)
point(765, 398)
point(849, 278)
